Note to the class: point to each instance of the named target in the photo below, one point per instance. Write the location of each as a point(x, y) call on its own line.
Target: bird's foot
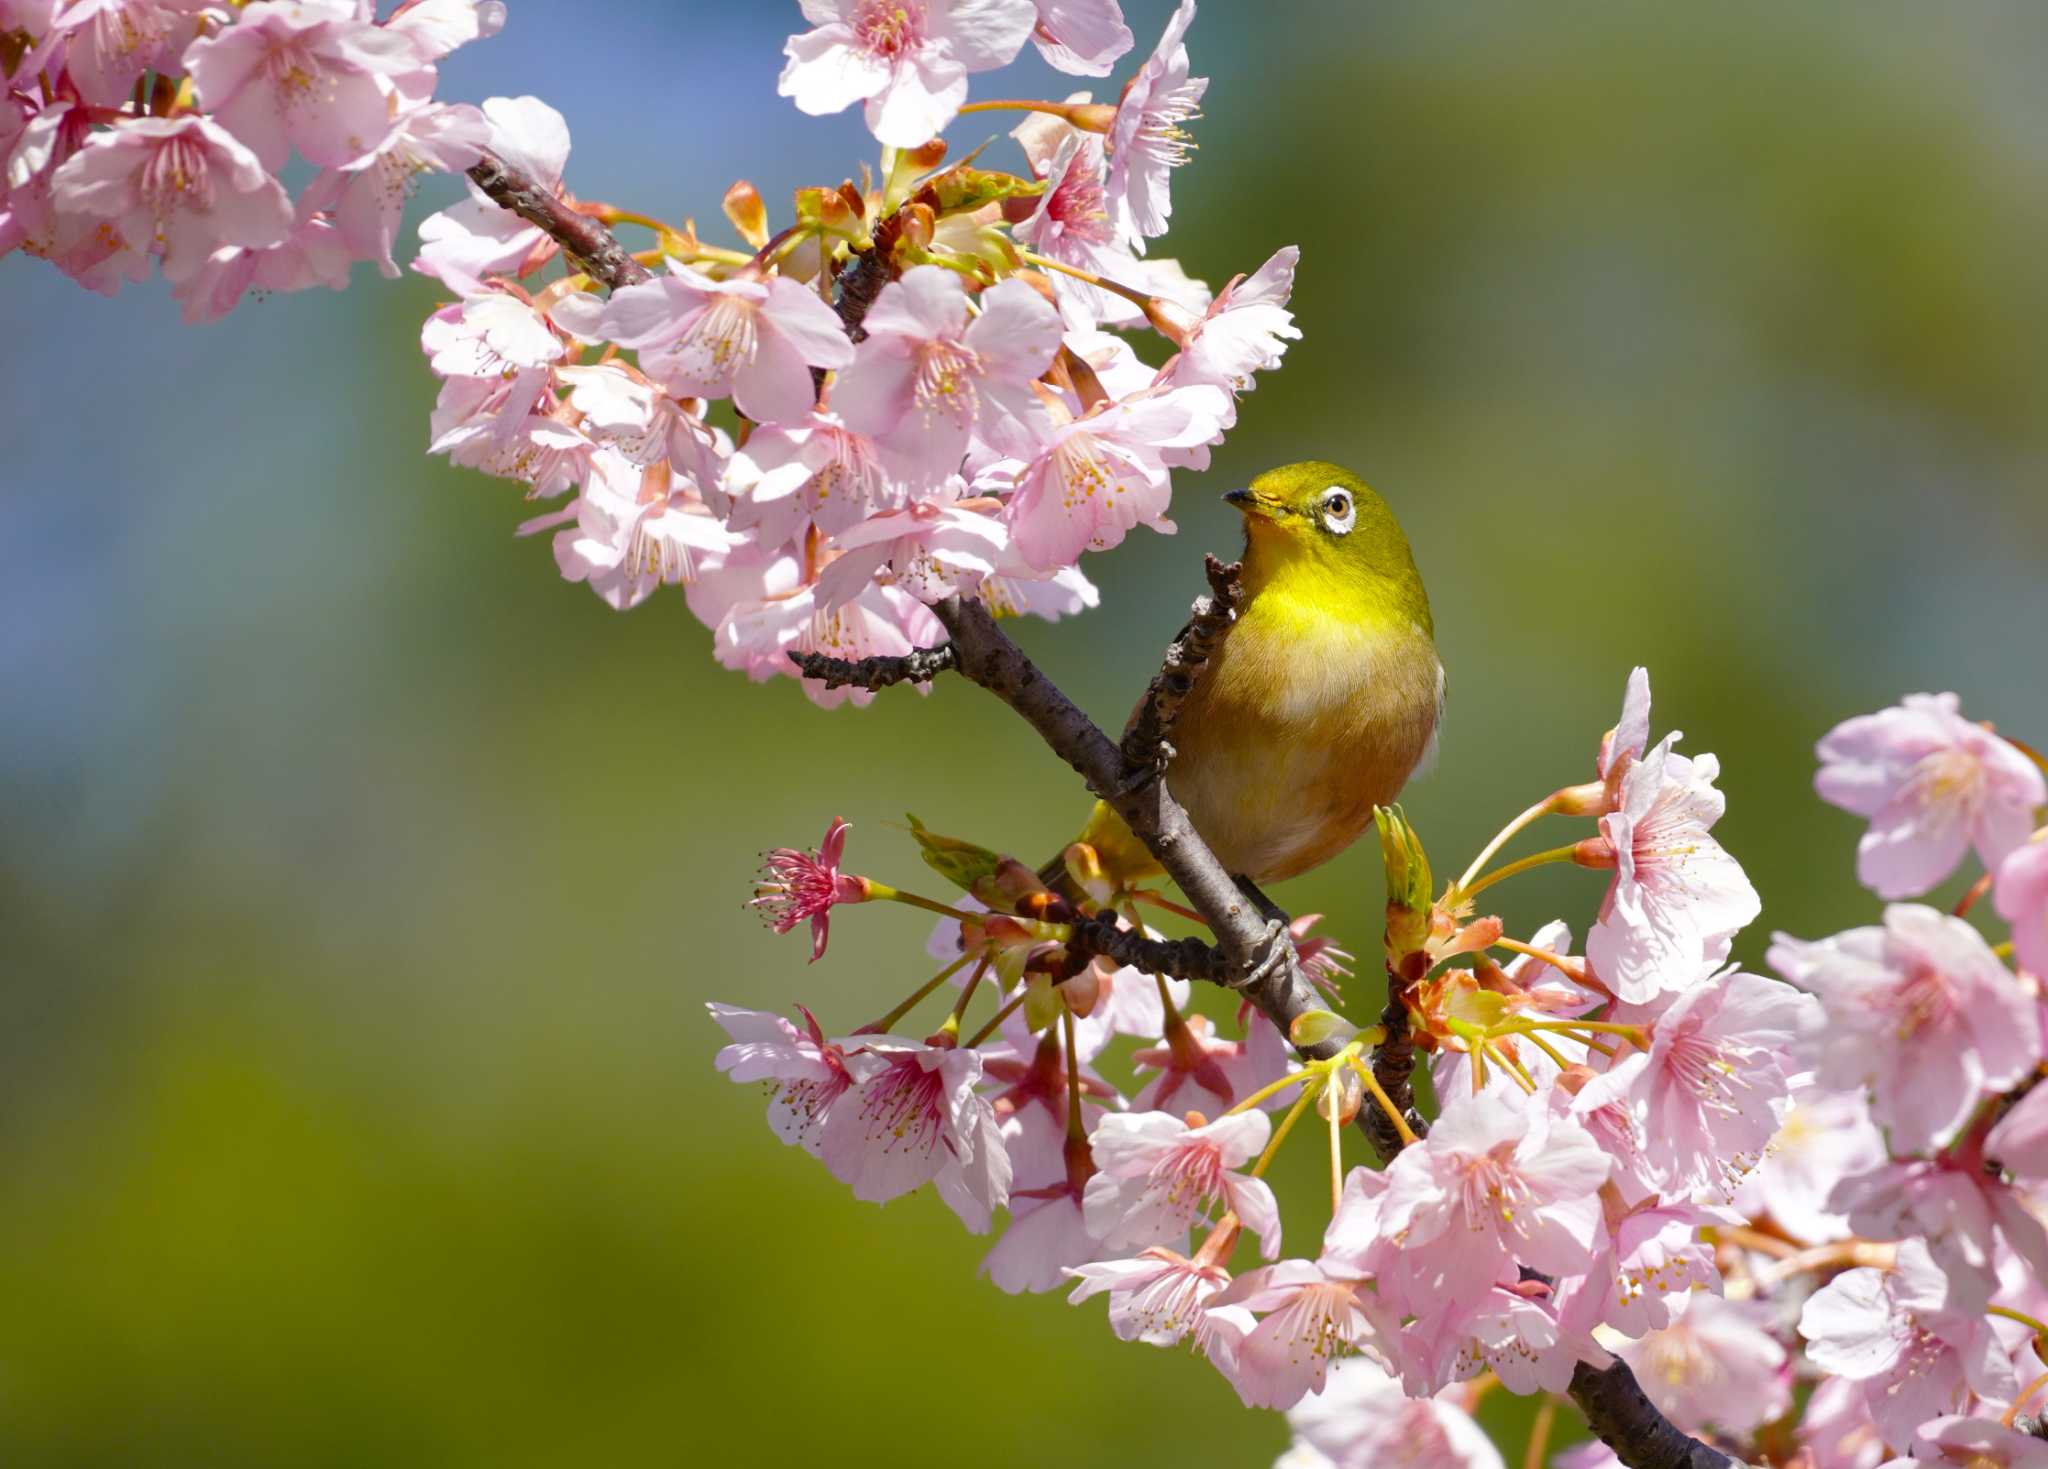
point(1273, 957)
point(1136, 777)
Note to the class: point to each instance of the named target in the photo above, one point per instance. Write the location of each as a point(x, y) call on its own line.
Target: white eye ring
point(1340, 512)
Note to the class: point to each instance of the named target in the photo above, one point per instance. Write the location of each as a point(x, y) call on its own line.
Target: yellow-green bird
point(1325, 694)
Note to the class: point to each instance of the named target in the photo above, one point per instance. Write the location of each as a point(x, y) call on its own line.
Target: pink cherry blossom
point(371, 191)
point(1826, 1137)
point(1324, 962)
point(1677, 898)
point(1969, 1219)
point(1146, 140)
point(313, 254)
point(89, 248)
point(1155, 1297)
point(1244, 331)
point(1606, 1105)
point(1158, 1176)
point(301, 74)
point(1718, 1366)
point(1047, 1238)
point(1071, 224)
point(1717, 1083)
point(1081, 37)
point(1100, 475)
point(109, 44)
point(760, 609)
point(752, 340)
point(807, 1074)
point(437, 27)
point(932, 550)
point(2021, 898)
point(181, 181)
point(637, 527)
point(1895, 1333)
point(461, 245)
point(796, 886)
point(812, 469)
point(908, 60)
point(925, 380)
point(915, 1121)
point(2020, 1139)
point(1836, 1428)
point(1199, 1069)
point(1920, 1009)
point(1493, 1185)
point(1623, 745)
point(1933, 785)
point(1650, 1265)
point(1310, 1313)
point(623, 411)
point(1511, 1329)
point(1977, 1443)
point(1363, 1417)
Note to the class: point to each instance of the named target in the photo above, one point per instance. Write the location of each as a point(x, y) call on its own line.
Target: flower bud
point(1084, 867)
point(1344, 1091)
point(748, 214)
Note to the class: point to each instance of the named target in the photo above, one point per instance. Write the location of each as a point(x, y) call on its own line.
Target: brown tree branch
point(920, 665)
point(583, 239)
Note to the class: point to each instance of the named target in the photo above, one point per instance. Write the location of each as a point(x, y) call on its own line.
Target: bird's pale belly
point(1282, 774)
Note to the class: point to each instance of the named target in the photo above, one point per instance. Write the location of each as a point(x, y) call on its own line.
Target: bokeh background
point(362, 884)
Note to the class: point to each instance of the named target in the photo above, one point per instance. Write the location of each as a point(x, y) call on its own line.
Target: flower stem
point(1546, 1048)
point(881, 892)
point(1576, 973)
point(1501, 838)
point(882, 1026)
point(2040, 1331)
point(1977, 890)
point(1092, 117)
point(995, 1020)
point(967, 993)
point(2028, 1391)
point(1379, 1094)
point(1513, 1068)
point(1286, 1126)
point(1129, 293)
point(1499, 874)
point(1336, 1146)
point(1293, 1078)
point(1539, 1433)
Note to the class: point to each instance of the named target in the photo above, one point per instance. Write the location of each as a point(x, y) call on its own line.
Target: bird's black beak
point(1251, 502)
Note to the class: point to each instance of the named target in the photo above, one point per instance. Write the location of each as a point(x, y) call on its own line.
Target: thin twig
point(920, 665)
point(593, 247)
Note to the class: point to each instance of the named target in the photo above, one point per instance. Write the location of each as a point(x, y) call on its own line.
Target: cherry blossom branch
point(582, 238)
point(1145, 749)
point(920, 665)
point(1629, 1423)
point(1261, 963)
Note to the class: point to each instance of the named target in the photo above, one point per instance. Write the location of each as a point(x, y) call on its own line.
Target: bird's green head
point(1316, 533)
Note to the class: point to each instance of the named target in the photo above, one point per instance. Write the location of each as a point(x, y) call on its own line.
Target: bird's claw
point(1274, 955)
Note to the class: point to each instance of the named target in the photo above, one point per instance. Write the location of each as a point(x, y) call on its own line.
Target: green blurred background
point(361, 884)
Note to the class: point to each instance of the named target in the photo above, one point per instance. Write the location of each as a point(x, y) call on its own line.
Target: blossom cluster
point(154, 134)
point(1756, 1190)
point(916, 389)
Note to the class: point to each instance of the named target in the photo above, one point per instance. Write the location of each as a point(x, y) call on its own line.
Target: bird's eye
point(1339, 513)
